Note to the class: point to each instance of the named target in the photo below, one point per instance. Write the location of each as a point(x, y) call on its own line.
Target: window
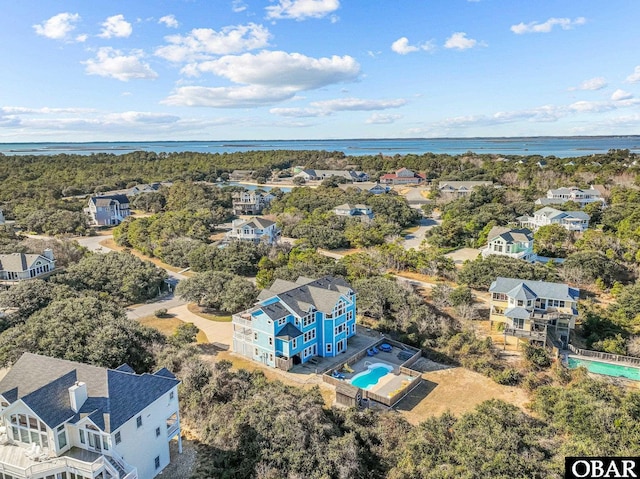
point(157, 432)
point(171, 396)
point(349, 315)
point(139, 421)
point(328, 347)
point(29, 430)
point(157, 462)
point(62, 437)
point(270, 341)
point(256, 352)
point(82, 439)
point(353, 328)
point(271, 357)
point(255, 336)
point(118, 438)
point(499, 296)
point(294, 343)
point(309, 335)
point(520, 302)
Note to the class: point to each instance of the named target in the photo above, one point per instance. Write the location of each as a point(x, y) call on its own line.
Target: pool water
point(368, 379)
point(615, 370)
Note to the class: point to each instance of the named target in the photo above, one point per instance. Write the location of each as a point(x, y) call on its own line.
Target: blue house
point(293, 322)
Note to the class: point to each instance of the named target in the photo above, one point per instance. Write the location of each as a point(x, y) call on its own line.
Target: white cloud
point(114, 64)
point(593, 84)
point(115, 26)
point(635, 76)
point(280, 69)
point(228, 97)
point(302, 9)
point(140, 117)
point(620, 95)
point(382, 119)
point(299, 112)
point(591, 106)
point(401, 46)
point(201, 43)
point(170, 21)
point(238, 6)
point(459, 41)
point(82, 38)
point(358, 104)
point(546, 27)
point(58, 27)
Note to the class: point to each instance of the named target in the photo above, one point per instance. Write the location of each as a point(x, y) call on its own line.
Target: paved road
point(92, 243)
point(147, 309)
point(414, 195)
point(414, 240)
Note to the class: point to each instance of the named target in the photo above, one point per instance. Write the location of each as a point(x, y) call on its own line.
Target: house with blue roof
point(533, 311)
point(294, 322)
point(63, 419)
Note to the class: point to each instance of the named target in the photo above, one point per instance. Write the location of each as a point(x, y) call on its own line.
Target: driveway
point(147, 309)
point(218, 333)
point(414, 240)
point(92, 243)
point(414, 195)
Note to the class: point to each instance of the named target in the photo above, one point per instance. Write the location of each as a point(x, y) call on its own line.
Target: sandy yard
point(456, 390)
point(459, 256)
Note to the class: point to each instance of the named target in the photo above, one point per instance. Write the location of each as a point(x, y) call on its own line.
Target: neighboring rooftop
point(529, 289)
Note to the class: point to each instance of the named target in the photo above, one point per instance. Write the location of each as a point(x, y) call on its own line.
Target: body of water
point(562, 147)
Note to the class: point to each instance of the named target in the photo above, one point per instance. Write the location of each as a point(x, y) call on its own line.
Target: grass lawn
point(168, 326)
point(195, 309)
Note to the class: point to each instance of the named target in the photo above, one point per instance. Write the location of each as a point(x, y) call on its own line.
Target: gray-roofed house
point(350, 175)
point(570, 220)
point(60, 418)
point(21, 266)
point(571, 193)
point(292, 322)
point(515, 243)
point(363, 212)
point(460, 188)
point(108, 210)
point(250, 202)
point(533, 310)
point(255, 230)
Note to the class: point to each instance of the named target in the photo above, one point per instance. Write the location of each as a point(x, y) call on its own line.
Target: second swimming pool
point(368, 379)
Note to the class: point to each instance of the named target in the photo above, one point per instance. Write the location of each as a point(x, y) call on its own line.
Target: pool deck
point(388, 383)
point(636, 382)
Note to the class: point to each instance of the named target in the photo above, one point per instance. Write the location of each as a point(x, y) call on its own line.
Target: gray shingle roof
point(288, 332)
point(19, 262)
point(109, 200)
point(542, 289)
point(114, 396)
point(322, 294)
point(257, 223)
point(510, 235)
point(517, 312)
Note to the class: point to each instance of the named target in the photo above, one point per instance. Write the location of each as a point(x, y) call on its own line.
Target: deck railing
point(521, 333)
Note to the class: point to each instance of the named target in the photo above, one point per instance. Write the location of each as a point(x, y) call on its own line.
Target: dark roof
point(289, 332)
point(114, 395)
point(108, 199)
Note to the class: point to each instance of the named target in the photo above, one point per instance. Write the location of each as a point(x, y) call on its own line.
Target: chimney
point(48, 253)
point(77, 395)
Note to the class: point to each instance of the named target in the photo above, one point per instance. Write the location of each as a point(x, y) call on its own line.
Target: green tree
point(551, 240)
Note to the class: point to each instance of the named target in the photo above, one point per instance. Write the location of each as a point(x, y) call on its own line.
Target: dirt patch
point(168, 326)
point(181, 465)
point(304, 381)
point(456, 390)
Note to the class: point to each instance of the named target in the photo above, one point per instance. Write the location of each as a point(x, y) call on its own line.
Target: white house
point(108, 210)
point(62, 419)
point(250, 202)
point(368, 186)
point(19, 266)
point(351, 175)
point(515, 243)
point(256, 230)
point(460, 188)
point(403, 176)
point(572, 193)
point(361, 211)
point(570, 220)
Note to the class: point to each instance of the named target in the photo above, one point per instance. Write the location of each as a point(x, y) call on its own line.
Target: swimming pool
point(368, 379)
point(607, 369)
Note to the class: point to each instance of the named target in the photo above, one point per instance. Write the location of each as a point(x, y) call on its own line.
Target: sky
point(109, 70)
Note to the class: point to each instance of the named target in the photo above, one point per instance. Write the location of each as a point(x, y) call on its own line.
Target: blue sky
point(309, 69)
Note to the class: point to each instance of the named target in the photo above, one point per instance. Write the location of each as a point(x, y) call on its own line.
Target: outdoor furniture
point(386, 348)
point(337, 375)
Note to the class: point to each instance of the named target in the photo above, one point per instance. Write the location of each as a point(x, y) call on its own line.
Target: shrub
point(507, 377)
point(160, 313)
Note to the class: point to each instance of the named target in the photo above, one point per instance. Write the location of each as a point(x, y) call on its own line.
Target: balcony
point(523, 334)
point(14, 462)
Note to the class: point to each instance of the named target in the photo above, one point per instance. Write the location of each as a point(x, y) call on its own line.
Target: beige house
point(533, 311)
point(21, 266)
point(572, 193)
point(460, 188)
